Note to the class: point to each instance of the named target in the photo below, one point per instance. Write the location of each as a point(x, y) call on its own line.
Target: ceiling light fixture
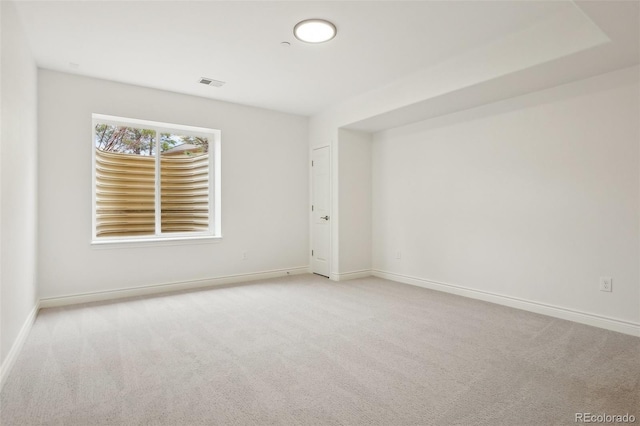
point(314, 31)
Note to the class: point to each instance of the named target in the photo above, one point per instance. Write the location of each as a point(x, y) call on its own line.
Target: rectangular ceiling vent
point(211, 82)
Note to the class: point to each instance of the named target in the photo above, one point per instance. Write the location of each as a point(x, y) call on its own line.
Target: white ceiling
point(384, 49)
point(585, 39)
point(171, 44)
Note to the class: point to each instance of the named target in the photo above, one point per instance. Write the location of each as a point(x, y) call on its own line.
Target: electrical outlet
point(606, 284)
point(399, 255)
point(244, 255)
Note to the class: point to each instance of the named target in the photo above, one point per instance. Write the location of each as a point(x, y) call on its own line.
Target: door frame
point(311, 223)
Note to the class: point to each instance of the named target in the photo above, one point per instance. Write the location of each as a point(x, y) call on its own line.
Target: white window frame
point(215, 222)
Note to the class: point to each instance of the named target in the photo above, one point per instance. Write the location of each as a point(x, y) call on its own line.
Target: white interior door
point(321, 232)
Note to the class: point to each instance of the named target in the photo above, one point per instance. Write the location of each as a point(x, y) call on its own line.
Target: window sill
point(154, 242)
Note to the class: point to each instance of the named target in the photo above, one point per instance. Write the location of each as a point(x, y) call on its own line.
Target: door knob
point(324, 217)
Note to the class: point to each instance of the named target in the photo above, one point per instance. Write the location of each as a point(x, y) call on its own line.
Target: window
point(154, 181)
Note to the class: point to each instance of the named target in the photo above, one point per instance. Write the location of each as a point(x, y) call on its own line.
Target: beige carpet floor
point(303, 350)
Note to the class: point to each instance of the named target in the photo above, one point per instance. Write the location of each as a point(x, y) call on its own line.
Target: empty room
point(319, 212)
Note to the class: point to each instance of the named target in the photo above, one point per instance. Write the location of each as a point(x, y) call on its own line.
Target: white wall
point(18, 180)
point(354, 199)
point(264, 189)
point(1, 139)
point(533, 198)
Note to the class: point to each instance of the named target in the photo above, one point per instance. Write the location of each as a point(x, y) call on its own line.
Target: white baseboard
point(99, 296)
point(613, 324)
point(351, 275)
point(10, 360)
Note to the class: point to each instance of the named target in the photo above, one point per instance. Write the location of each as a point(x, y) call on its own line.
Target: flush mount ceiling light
point(314, 31)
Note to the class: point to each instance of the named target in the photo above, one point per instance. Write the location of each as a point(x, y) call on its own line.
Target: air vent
point(211, 82)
